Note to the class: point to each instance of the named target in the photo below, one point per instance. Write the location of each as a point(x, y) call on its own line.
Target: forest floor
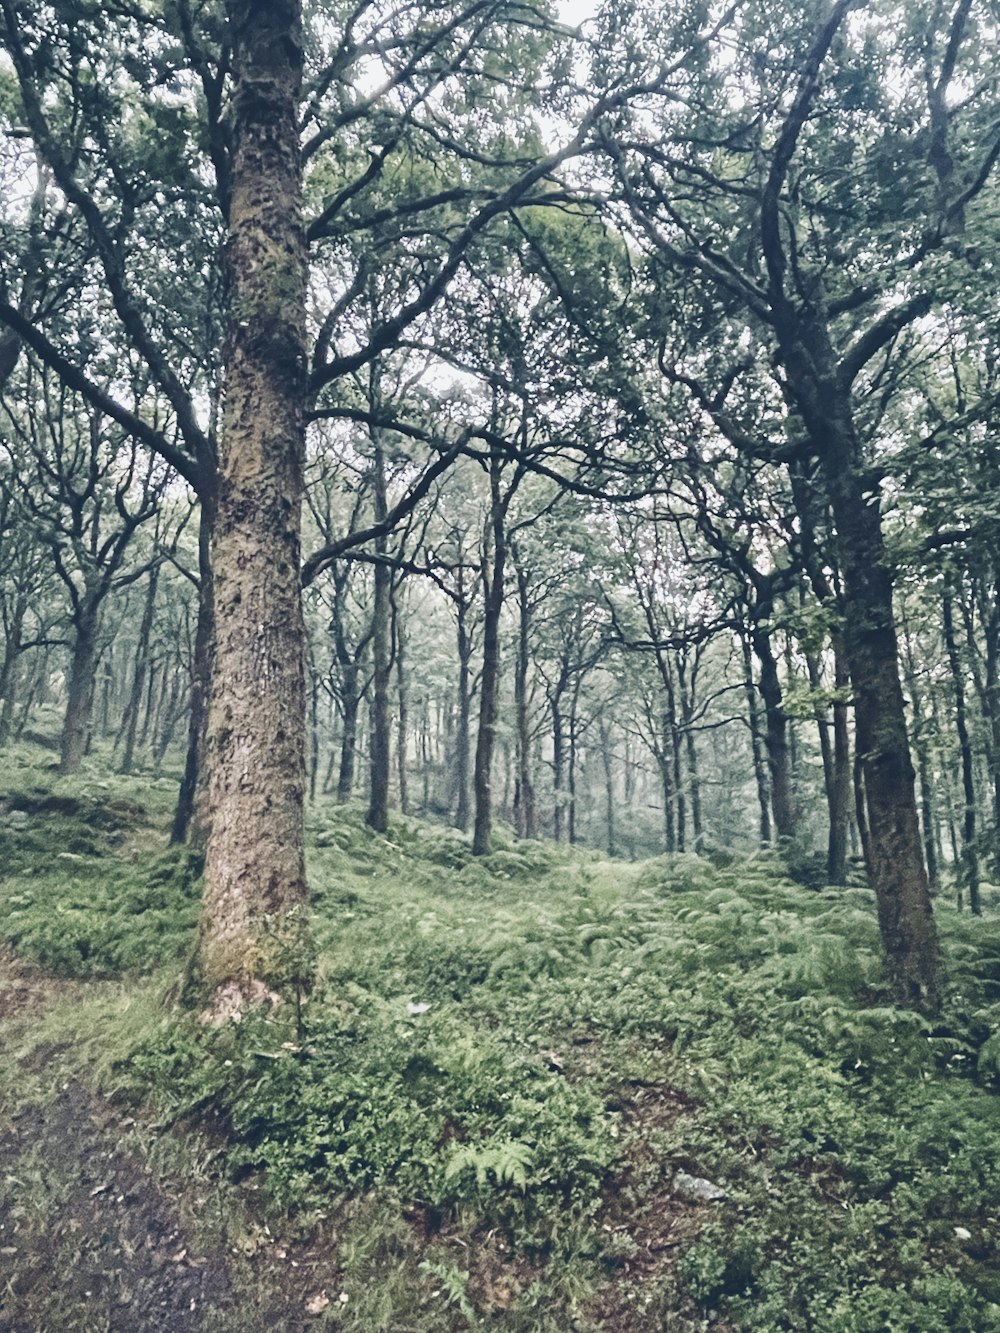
point(542, 1091)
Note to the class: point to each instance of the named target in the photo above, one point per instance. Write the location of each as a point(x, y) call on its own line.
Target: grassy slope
point(482, 1107)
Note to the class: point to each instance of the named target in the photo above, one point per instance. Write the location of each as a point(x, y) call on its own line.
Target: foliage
point(487, 1055)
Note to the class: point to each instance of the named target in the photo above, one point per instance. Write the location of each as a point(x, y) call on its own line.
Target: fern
point(508, 1161)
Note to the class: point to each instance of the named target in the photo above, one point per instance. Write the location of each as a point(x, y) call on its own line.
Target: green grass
point(504, 1062)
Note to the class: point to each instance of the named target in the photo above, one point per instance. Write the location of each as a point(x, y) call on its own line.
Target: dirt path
point(89, 1239)
point(94, 1238)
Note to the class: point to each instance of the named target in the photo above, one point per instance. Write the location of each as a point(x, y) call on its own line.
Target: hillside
point(500, 1103)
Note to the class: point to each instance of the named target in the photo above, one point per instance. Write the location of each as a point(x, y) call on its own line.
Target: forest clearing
point(478, 1118)
point(499, 664)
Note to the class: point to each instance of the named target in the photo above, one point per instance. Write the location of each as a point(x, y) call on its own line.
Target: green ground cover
point(484, 1101)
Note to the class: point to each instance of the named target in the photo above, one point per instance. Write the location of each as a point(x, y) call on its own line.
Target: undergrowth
point(522, 1050)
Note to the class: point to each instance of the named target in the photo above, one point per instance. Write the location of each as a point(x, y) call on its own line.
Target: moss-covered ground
point(476, 1118)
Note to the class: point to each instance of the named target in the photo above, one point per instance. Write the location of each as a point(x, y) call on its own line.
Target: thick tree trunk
point(254, 754)
point(895, 856)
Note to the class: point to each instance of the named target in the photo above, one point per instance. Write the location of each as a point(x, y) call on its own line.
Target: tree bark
point(377, 817)
point(255, 865)
point(130, 720)
point(493, 588)
point(186, 827)
point(80, 699)
point(757, 746)
point(895, 857)
point(464, 721)
point(525, 798)
point(970, 855)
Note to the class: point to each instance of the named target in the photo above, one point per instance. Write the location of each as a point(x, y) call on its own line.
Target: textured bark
point(80, 699)
point(464, 720)
point(130, 718)
point(775, 729)
point(403, 717)
point(191, 820)
point(493, 587)
point(757, 746)
point(254, 869)
point(525, 817)
point(970, 855)
point(894, 853)
point(380, 758)
point(9, 669)
point(609, 789)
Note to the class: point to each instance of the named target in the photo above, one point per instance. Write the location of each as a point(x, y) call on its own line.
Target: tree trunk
point(403, 725)
point(9, 670)
point(350, 705)
point(255, 864)
point(80, 699)
point(185, 826)
point(464, 722)
point(380, 759)
point(840, 801)
point(896, 864)
point(757, 746)
point(130, 720)
point(609, 789)
point(970, 856)
point(558, 766)
point(493, 588)
point(525, 799)
point(775, 732)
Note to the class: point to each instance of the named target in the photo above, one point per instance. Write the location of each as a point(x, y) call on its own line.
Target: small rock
point(697, 1189)
point(317, 1304)
point(963, 1233)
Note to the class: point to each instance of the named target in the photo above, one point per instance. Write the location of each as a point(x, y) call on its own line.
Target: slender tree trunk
point(255, 864)
point(609, 789)
point(130, 719)
point(191, 797)
point(558, 767)
point(775, 734)
point(493, 587)
point(928, 819)
point(840, 802)
point(757, 746)
point(525, 801)
point(350, 705)
point(464, 722)
point(9, 670)
point(970, 856)
point(403, 726)
point(377, 817)
point(80, 698)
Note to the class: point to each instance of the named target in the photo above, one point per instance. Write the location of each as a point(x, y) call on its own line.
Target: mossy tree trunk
point(254, 753)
